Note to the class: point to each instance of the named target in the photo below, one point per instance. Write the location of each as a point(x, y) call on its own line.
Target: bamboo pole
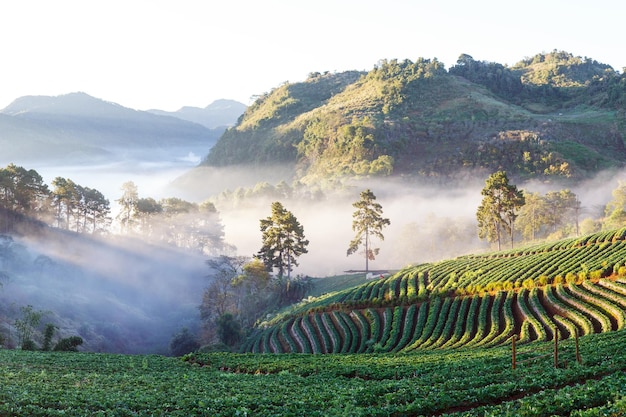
point(514, 356)
point(578, 358)
point(556, 347)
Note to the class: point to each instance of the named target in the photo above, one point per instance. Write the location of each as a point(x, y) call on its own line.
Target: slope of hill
point(121, 295)
point(219, 114)
point(553, 116)
point(79, 128)
point(570, 287)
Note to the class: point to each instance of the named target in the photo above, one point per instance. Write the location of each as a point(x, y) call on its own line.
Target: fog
point(428, 222)
point(124, 295)
point(118, 294)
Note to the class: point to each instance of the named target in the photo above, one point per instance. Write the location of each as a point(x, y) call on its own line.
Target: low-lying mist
point(118, 294)
point(124, 295)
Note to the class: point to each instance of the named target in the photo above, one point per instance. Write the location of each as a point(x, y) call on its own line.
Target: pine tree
point(283, 240)
point(367, 223)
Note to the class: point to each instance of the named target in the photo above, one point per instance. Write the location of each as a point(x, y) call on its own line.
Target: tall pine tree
point(367, 222)
point(283, 240)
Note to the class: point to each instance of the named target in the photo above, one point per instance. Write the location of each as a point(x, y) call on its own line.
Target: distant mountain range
point(219, 114)
point(79, 128)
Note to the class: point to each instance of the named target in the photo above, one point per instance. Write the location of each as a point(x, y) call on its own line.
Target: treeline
point(25, 199)
point(556, 79)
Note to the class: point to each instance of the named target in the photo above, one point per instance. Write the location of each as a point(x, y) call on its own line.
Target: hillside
point(571, 287)
point(119, 294)
point(550, 116)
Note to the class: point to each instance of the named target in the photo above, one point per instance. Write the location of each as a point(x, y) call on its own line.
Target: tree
point(367, 223)
point(26, 326)
point(128, 205)
point(22, 192)
point(96, 209)
point(228, 329)
point(68, 344)
point(497, 211)
point(283, 240)
point(533, 216)
point(65, 198)
point(615, 210)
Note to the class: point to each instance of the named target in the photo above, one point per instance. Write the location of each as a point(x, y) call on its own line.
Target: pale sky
point(166, 54)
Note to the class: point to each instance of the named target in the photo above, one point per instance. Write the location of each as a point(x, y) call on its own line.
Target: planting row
point(479, 320)
point(571, 260)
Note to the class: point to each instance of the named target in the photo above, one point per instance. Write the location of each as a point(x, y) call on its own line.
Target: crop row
point(480, 320)
point(594, 256)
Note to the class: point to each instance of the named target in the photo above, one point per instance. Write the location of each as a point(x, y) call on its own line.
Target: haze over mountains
point(78, 128)
point(219, 114)
point(422, 137)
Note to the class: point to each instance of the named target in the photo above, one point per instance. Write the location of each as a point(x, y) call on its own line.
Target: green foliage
point(183, 342)
point(68, 344)
point(498, 209)
point(37, 384)
point(228, 330)
point(47, 338)
point(283, 240)
point(415, 119)
point(529, 280)
point(27, 325)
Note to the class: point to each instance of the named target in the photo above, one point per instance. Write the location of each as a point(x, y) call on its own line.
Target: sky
point(165, 54)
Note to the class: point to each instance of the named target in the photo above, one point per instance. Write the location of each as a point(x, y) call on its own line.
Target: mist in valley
point(123, 294)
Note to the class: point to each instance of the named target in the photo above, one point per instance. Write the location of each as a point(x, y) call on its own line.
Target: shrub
point(596, 275)
point(29, 345)
point(47, 340)
point(570, 278)
point(183, 342)
point(69, 344)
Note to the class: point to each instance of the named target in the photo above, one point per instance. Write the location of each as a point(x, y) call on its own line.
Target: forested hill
point(553, 115)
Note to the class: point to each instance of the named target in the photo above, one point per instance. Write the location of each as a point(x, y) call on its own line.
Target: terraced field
point(574, 286)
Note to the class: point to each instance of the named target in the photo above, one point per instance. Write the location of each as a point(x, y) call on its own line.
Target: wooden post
point(578, 359)
point(514, 358)
point(556, 347)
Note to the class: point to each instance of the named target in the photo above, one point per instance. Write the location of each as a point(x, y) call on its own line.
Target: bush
point(69, 344)
point(596, 275)
point(29, 345)
point(183, 342)
point(570, 278)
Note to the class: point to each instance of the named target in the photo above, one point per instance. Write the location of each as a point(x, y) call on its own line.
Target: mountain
point(79, 128)
point(219, 114)
point(551, 116)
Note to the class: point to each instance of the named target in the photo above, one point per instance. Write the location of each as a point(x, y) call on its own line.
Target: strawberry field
point(571, 287)
point(472, 382)
point(433, 339)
